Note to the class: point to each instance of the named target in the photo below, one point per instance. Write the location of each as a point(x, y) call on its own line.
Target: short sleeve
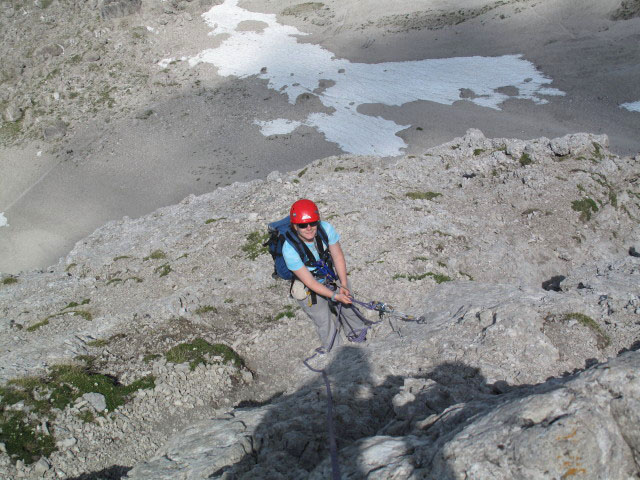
point(291, 257)
point(332, 235)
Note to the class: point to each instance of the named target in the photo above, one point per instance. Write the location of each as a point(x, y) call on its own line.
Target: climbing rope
point(355, 335)
point(331, 427)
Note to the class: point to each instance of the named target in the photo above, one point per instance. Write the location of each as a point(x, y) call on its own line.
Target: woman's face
point(308, 233)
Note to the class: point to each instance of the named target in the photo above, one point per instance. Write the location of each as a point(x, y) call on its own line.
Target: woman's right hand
point(342, 298)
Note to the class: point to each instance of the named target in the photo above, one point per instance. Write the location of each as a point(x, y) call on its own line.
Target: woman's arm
point(305, 276)
point(340, 265)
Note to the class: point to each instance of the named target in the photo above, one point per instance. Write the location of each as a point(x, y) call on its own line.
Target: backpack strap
point(305, 254)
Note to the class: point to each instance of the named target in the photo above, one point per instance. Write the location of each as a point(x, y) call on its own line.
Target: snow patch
point(279, 126)
point(631, 106)
point(3, 220)
point(294, 68)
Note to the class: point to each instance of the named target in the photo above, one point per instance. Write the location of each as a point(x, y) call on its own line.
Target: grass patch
point(525, 160)
point(302, 172)
point(212, 220)
point(98, 343)
point(10, 131)
point(38, 325)
point(585, 207)
point(41, 395)
point(163, 270)
point(155, 255)
point(603, 339)
point(205, 309)
point(150, 357)
point(423, 195)
point(597, 151)
point(120, 257)
point(254, 246)
point(114, 280)
point(87, 416)
point(438, 277)
point(9, 280)
point(75, 304)
point(196, 352)
point(478, 151)
point(287, 312)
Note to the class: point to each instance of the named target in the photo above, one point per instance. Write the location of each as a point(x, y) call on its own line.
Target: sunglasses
point(303, 226)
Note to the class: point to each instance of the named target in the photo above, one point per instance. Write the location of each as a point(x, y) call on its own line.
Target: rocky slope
point(521, 257)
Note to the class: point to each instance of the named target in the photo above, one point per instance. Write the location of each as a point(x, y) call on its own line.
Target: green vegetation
point(163, 270)
point(478, 151)
point(205, 309)
point(98, 343)
point(38, 325)
point(9, 131)
point(302, 172)
point(87, 416)
point(196, 351)
point(584, 207)
point(41, 395)
point(423, 195)
point(114, 280)
point(70, 266)
point(150, 357)
point(82, 313)
point(525, 160)
point(254, 246)
point(212, 220)
point(155, 255)
point(228, 300)
point(105, 97)
point(75, 304)
point(287, 312)
point(597, 151)
point(120, 257)
point(603, 339)
point(438, 277)
point(9, 280)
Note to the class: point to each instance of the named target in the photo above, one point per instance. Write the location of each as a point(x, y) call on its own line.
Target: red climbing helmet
point(304, 211)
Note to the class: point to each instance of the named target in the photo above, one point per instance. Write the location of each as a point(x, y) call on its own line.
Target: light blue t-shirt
point(293, 260)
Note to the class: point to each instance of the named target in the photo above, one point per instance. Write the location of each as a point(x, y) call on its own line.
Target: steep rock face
point(469, 237)
point(449, 423)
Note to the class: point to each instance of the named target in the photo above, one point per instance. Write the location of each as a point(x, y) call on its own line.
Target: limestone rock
point(119, 8)
point(96, 400)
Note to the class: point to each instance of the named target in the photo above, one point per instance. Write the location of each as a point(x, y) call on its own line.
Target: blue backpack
point(280, 232)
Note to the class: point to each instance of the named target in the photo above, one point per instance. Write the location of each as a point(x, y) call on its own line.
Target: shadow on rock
point(115, 472)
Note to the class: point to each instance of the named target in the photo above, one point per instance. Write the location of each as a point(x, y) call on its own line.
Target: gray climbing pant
point(324, 315)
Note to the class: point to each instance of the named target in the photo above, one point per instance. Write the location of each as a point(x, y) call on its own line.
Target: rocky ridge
point(484, 225)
